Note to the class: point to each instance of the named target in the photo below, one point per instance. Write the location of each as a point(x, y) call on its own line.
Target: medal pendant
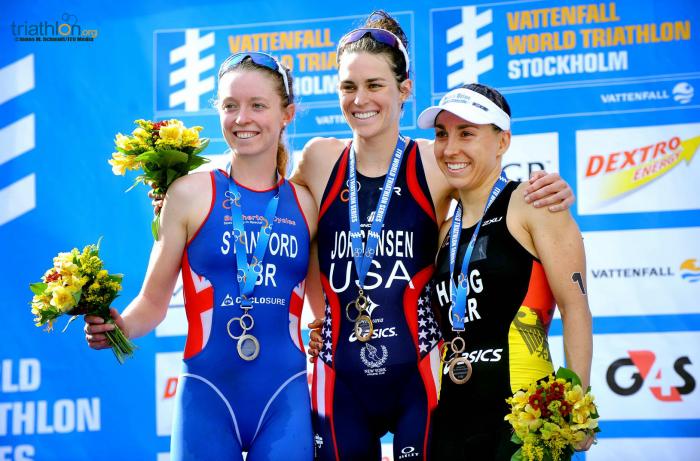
point(350, 307)
point(364, 328)
point(248, 347)
point(460, 370)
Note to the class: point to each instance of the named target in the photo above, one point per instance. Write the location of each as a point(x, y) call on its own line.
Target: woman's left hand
point(315, 339)
point(585, 444)
point(549, 189)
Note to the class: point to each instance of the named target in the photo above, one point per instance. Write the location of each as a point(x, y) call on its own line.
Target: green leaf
point(172, 176)
point(77, 295)
point(196, 162)
point(515, 439)
point(155, 226)
point(204, 142)
point(568, 375)
point(164, 158)
point(38, 288)
point(517, 456)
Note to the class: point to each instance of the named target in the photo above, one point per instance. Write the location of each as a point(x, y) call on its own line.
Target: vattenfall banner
point(603, 92)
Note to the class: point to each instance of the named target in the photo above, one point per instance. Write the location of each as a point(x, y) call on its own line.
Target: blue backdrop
point(602, 92)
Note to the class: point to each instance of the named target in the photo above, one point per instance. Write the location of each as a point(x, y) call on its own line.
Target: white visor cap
point(468, 105)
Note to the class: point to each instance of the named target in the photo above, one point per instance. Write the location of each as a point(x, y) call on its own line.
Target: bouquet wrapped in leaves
point(551, 417)
point(78, 284)
point(163, 151)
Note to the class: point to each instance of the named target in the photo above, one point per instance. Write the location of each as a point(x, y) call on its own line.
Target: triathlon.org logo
point(472, 44)
point(66, 29)
point(189, 73)
point(683, 92)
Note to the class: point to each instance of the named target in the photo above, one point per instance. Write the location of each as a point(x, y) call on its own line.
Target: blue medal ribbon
point(460, 290)
point(248, 272)
point(363, 259)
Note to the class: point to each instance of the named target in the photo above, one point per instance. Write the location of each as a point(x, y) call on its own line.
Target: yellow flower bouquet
point(551, 417)
point(163, 151)
point(77, 284)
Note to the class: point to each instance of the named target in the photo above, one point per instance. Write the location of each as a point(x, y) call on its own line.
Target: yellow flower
point(123, 142)
point(122, 162)
point(190, 136)
point(171, 133)
point(62, 299)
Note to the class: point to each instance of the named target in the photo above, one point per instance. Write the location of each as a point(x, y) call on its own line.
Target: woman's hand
point(549, 189)
point(156, 200)
point(96, 329)
point(315, 340)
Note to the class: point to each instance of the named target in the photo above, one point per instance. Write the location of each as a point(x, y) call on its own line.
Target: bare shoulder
point(316, 163)
point(190, 186)
point(319, 151)
point(188, 200)
point(528, 224)
point(308, 206)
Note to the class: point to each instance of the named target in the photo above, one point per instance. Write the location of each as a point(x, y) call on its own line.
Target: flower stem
point(122, 347)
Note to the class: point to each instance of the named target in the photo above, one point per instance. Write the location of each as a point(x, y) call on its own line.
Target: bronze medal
point(460, 370)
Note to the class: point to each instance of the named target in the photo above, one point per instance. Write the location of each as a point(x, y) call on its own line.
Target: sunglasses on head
point(259, 58)
point(380, 35)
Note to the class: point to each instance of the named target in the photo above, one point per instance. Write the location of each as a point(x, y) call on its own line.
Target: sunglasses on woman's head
point(259, 58)
point(381, 36)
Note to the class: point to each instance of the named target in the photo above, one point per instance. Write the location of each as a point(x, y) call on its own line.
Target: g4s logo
point(649, 372)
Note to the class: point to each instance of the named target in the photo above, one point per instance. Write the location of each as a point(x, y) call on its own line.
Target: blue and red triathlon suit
point(505, 333)
point(361, 390)
point(226, 405)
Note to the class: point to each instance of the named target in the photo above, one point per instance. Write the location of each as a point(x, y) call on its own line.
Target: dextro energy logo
point(638, 169)
point(16, 139)
point(630, 169)
point(67, 29)
point(667, 382)
point(460, 39)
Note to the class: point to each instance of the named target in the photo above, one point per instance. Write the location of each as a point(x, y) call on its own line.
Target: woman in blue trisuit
point(241, 240)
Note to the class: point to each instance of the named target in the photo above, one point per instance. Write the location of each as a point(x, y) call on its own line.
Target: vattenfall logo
point(67, 29)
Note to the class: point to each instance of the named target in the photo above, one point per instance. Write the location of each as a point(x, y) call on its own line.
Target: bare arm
point(314, 293)
point(556, 240)
point(315, 165)
point(549, 190)
point(150, 306)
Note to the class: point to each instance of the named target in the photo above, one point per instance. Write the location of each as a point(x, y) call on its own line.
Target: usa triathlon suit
point(508, 315)
point(225, 404)
point(362, 390)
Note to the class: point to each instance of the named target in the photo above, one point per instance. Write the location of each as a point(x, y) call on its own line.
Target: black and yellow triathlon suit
point(507, 320)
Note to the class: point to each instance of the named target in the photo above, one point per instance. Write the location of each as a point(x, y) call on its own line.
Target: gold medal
point(364, 328)
point(352, 305)
point(248, 347)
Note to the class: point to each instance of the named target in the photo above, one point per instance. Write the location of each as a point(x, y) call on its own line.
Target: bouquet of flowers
point(77, 285)
point(163, 151)
point(551, 417)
